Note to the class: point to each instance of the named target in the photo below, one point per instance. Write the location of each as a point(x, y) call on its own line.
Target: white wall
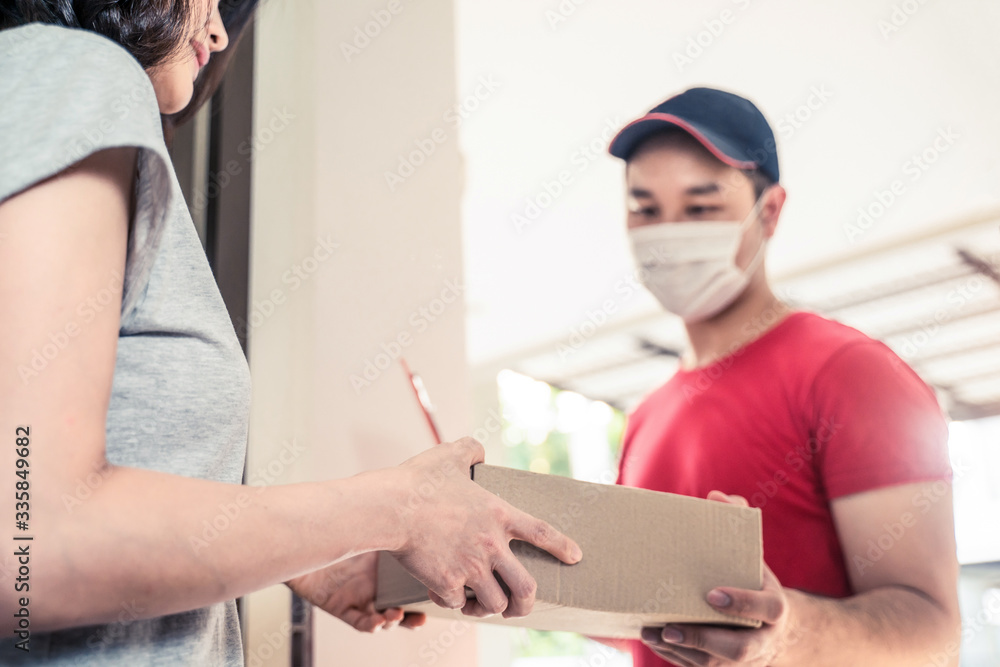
point(853, 90)
point(328, 127)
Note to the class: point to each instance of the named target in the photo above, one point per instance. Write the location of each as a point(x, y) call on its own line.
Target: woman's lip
point(201, 52)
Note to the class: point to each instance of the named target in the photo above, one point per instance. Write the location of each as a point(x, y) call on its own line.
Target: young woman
point(124, 395)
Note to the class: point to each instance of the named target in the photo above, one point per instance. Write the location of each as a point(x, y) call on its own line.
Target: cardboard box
point(649, 558)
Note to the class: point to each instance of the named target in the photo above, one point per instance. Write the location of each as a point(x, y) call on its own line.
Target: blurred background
point(453, 155)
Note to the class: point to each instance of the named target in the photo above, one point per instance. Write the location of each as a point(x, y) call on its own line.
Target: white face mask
point(690, 267)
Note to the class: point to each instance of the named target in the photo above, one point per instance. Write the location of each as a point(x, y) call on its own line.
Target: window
point(548, 430)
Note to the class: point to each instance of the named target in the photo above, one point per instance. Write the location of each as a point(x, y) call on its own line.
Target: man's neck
point(754, 313)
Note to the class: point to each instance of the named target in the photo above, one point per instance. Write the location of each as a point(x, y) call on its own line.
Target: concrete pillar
point(354, 152)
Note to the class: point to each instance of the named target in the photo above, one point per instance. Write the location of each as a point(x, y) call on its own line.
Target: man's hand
point(347, 590)
point(696, 644)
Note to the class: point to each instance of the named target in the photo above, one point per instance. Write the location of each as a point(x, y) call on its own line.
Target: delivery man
point(830, 434)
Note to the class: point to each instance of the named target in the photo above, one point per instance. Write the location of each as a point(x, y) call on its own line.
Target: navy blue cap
point(729, 126)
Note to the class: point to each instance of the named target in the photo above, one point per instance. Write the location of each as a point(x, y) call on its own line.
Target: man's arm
point(899, 547)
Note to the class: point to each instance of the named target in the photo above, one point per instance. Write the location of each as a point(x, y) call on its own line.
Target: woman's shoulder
point(43, 59)
point(66, 93)
point(37, 40)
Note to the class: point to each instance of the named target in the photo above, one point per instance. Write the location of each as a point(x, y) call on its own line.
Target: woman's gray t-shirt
point(180, 397)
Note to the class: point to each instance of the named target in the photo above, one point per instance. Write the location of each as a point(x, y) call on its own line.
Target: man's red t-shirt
point(810, 411)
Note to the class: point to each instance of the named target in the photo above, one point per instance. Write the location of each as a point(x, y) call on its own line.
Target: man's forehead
point(693, 159)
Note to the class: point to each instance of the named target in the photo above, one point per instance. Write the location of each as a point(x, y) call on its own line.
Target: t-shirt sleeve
point(68, 93)
point(875, 422)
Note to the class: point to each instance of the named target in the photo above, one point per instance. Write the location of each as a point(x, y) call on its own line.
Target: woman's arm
point(155, 543)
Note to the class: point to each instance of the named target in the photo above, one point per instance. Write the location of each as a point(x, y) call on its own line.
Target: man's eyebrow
point(705, 189)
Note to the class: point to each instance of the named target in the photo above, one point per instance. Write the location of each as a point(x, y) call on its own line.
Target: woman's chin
point(175, 101)
point(172, 87)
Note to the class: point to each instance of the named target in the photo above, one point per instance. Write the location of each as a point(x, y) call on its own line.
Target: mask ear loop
point(759, 255)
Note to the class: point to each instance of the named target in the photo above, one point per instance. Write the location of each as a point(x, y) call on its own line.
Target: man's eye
point(644, 211)
point(701, 210)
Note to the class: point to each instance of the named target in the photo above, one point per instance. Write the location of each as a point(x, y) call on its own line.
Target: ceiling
point(889, 152)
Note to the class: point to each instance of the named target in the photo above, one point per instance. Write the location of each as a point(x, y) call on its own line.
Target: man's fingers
point(731, 644)
point(685, 657)
point(766, 606)
point(529, 529)
point(521, 585)
point(726, 498)
point(654, 642)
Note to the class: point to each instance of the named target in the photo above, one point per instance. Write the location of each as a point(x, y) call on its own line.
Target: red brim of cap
point(635, 132)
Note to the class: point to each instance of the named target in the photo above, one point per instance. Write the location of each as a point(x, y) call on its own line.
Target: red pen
point(425, 402)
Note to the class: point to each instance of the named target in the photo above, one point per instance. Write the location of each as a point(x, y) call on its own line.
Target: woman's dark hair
point(151, 30)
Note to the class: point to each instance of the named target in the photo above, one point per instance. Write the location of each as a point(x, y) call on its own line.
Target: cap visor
point(633, 134)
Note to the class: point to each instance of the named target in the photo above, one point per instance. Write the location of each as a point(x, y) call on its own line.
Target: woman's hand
point(347, 590)
point(457, 534)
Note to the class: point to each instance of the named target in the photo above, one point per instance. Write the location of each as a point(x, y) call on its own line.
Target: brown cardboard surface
point(649, 558)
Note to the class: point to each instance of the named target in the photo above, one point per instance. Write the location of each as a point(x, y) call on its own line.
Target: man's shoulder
point(809, 329)
point(795, 352)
